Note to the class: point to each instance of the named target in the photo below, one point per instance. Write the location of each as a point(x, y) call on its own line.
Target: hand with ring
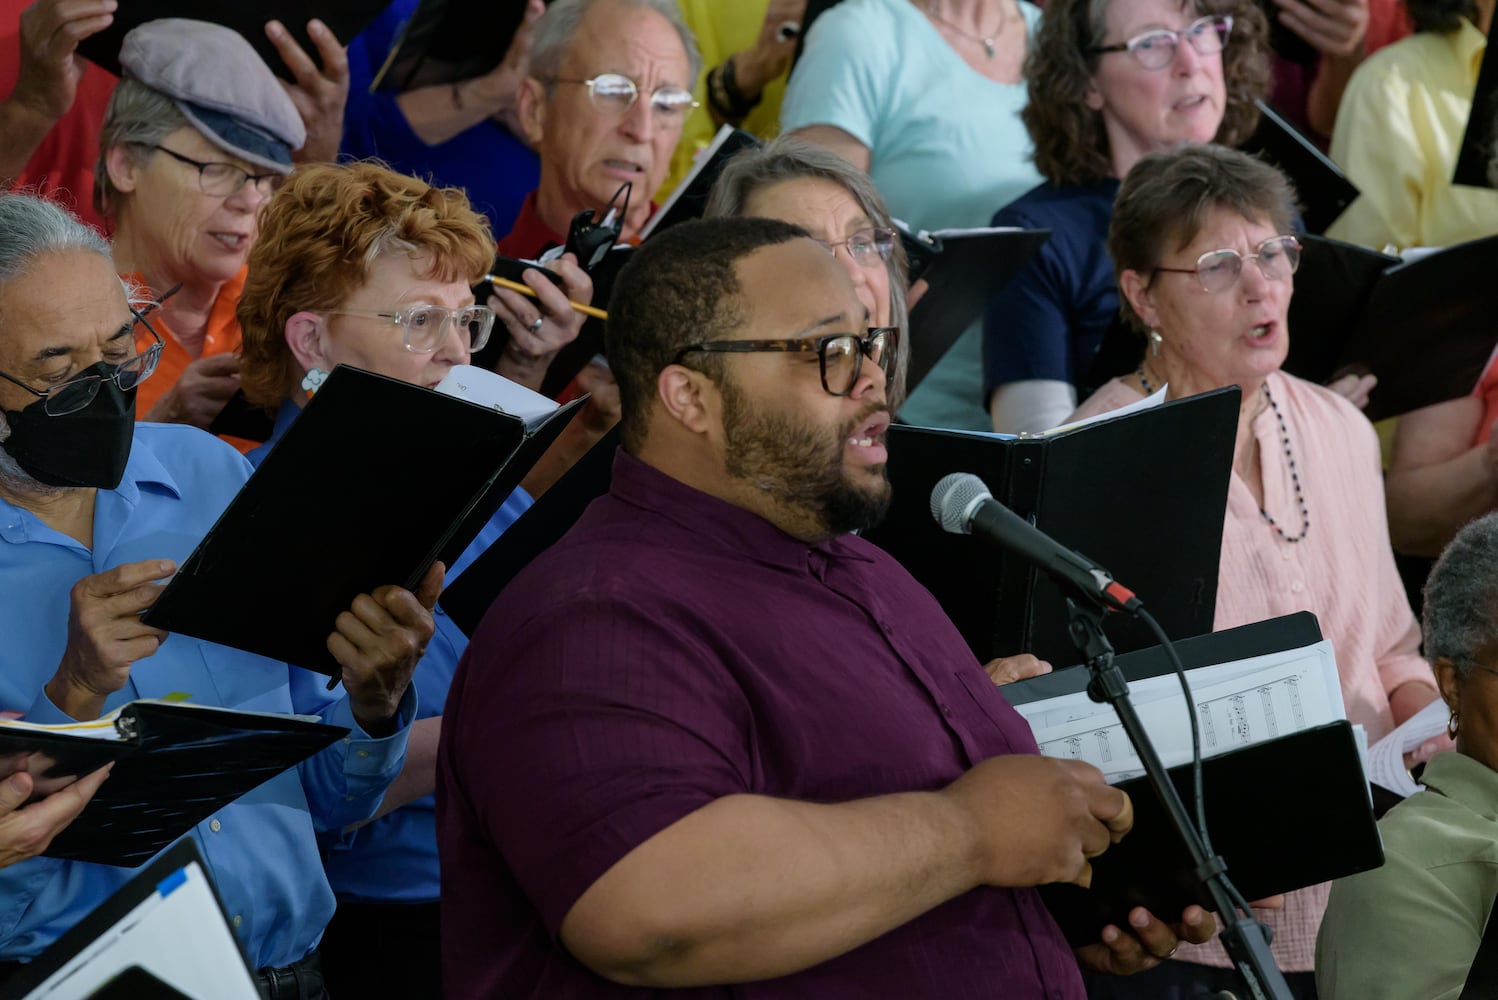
point(540, 327)
point(1146, 941)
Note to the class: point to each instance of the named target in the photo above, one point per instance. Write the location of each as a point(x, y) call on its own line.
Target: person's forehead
point(615, 37)
point(795, 284)
point(1130, 14)
point(810, 202)
point(62, 301)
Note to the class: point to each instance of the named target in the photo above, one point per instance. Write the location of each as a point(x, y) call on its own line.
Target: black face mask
point(88, 447)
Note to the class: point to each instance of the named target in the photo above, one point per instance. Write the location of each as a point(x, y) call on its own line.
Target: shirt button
point(215, 826)
point(348, 798)
point(238, 920)
point(363, 753)
point(1297, 586)
point(1286, 554)
point(947, 711)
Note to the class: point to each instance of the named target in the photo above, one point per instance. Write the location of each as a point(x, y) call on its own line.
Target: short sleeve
point(1027, 325)
point(846, 74)
point(626, 721)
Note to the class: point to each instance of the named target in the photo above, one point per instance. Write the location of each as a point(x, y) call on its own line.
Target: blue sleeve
point(345, 783)
point(1027, 328)
point(845, 74)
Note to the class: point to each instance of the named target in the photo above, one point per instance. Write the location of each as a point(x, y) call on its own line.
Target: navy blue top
point(493, 166)
point(1048, 322)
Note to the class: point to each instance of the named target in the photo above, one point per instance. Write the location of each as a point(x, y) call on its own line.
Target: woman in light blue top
point(926, 96)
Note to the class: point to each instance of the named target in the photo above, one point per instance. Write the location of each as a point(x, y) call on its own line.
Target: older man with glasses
point(711, 741)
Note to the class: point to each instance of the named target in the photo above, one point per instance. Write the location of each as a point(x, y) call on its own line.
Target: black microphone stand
point(1246, 940)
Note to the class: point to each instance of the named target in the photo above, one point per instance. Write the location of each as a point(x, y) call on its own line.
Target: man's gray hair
point(138, 118)
point(554, 32)
point(1461, 598)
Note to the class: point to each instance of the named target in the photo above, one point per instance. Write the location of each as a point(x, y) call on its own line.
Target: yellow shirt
point(1398, 134)
point(722, 27)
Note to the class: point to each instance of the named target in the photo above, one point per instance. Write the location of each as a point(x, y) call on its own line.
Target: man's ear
point(307, 336)
point(530, 110)
point(1135, 289)
point(690, 398)
point(120, 163)
point(1448, 684)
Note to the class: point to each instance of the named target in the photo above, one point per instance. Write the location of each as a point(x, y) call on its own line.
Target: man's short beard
point(799, 465)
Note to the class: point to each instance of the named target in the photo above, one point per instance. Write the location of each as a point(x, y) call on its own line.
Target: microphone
point(961, 504)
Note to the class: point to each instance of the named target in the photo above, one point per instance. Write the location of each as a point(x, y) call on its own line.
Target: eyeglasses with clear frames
point(841, 354)
point(1157, 49)
point(615, 93)
point(221, 180)
point(424, 326)
point(867, 246)
point(1218, 270)
point(74, 394)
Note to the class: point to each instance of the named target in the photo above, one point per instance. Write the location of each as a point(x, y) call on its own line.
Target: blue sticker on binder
point(172, 882)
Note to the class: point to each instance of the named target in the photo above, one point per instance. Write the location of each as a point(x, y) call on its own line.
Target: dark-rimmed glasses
point(1156, 49)
point(1218, 270)
point(615, 93)
point(220, 180)
point(424, 326)
point(841, 354)
point(76, 393)
point(867, 246)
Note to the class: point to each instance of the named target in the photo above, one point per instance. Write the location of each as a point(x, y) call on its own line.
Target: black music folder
point(175, 765)
point(447, 41)
point(1284, 814)
point(963, 268)
point(1143, 495)
point(688, 200)
point(1480, 141)
point(1482, 978)
point(345, 18)
point(1322, 189)
point(163, 935)
point(375, 481)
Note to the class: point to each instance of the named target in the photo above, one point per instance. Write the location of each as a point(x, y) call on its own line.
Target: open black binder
point(339, 508)
point(175, 765)
point(963, 269)
point(1323, 190)
point(447, 41)
point(1481, 136)
point(1284, 814)
point(1143, 495)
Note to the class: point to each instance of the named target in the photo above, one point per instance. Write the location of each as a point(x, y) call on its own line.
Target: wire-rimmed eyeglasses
point(76, 393)
point(1218, 270)
point(841, 354)
point(615, 93)
point(867, 246)
point(423, 326)
point(1156, 49)
point(220, 180)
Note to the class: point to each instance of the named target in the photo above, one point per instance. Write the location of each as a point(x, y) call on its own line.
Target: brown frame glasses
point(874, 346)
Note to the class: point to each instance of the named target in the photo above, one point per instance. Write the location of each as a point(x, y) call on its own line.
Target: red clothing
point(530, 237)
point(63, 166)
point(1487, 391)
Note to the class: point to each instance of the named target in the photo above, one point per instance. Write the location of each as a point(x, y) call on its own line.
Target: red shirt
point(63, 166)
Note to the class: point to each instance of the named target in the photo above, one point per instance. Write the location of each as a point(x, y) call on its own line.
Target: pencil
point(524, 289)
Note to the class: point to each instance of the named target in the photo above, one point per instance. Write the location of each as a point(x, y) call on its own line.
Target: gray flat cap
point(221, 84)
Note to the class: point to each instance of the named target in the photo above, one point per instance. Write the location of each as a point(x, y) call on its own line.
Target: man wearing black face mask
point(93, 510)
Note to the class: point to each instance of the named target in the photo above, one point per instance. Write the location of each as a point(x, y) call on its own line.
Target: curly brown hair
point(1071, 145)
point(319, 236)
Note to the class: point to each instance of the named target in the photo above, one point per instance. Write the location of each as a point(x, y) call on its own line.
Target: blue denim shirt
point(262, 850)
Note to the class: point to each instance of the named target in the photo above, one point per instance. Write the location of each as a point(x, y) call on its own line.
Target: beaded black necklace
point(1300, 496)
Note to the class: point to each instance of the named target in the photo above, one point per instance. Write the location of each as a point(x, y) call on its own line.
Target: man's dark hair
point(679, 288)
point(1440, 16)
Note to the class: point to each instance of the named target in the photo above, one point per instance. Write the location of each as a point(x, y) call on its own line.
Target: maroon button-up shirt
point(673, 649)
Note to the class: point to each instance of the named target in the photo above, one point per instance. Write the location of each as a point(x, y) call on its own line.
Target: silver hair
point(553, 34)
point(789, 158)
point(1461, 598)
point(138, 117)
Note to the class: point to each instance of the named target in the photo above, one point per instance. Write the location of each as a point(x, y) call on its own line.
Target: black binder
point(1481, 137)
point(1482, 977)
point(375, 481)
point(688, 200)
point(964, 269)
point(346, 18)
point(109, 932)
point(1323, 190)
point(175, 765)
point(1144, 495)
point(447, 41)
point(1284, 814)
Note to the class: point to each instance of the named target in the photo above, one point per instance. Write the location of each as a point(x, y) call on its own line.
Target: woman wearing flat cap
point(198, 135)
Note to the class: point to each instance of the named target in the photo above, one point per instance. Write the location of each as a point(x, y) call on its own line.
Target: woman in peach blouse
point(1205, 265)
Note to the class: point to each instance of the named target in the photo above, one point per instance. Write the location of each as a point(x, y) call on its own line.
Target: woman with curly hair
point(1109, 81)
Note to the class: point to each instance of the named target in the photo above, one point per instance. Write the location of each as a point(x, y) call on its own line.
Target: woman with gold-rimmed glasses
point(1199, 240)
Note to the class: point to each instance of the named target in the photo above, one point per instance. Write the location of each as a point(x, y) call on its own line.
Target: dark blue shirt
point(1048, 322)
point(493, 166)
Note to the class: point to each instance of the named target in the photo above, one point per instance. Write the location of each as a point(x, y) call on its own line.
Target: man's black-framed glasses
point(74, 394)
point(1156, 49)
point(221, 180)
point(841, 354)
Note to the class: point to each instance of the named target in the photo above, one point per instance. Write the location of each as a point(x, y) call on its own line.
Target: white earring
point(314, 378)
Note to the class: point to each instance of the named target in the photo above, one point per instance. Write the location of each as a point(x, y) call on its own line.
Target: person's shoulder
point(866, 19)
point(1065, 206)
point(193, 458)
point(1405, 63)
point(1319, 401)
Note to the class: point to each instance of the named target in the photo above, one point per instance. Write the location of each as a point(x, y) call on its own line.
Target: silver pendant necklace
point(989, 42)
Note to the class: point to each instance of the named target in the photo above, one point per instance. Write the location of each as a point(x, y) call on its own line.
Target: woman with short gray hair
point(1412, 928)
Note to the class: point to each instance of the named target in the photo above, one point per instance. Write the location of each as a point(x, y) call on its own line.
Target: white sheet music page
point(1236, 704)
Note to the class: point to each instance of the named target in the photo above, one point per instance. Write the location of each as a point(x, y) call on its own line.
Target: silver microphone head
point(954, 499)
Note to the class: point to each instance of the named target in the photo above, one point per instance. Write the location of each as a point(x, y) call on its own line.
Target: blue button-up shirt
point(262, 849)
point(394, 859)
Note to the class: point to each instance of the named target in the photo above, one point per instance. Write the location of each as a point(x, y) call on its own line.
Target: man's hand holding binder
point(377, 643)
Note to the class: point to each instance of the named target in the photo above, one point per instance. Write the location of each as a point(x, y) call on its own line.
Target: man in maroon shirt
point(713, 741)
